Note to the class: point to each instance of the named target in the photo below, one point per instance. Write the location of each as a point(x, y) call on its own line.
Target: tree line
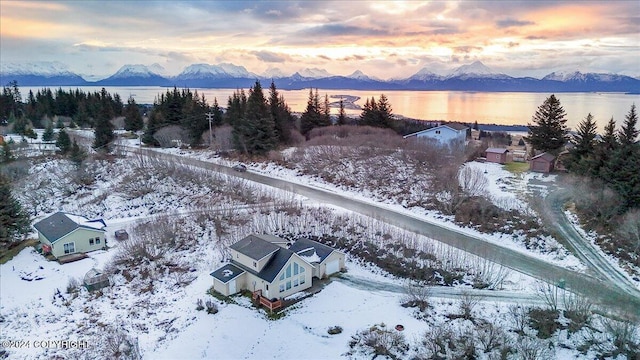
point(611, 158)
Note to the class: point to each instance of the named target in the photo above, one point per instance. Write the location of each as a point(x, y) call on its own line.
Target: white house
point(452, 135)
point(325, 259)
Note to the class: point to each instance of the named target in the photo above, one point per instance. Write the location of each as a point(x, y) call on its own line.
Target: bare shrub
point(212, 308)
point(443, 343)
point(549, 294)
point(615, 338)
point(544, 321)
point(172, 136)
point(119, 345)
point(533, 349)
point(199, 305)
point(488, 274)
point(577, 310)
point(630, 229)
point(417, 295)
point(334, 330)
point(519, 317)
point(468, 303)
point(379, 341)
point(491, 337)
point(73, 286)
point(223, 138)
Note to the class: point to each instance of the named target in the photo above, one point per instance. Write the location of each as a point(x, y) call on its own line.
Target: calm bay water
point(505, 108)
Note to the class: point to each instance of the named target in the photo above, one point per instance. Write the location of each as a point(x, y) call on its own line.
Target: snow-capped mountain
point(424, 74)
point(274, 73)
point(50, 73)
point(136, 70)
point(578, 76)
point(475, 70)
point(314, 73)
point(42, 68)
point(207, 71)
point(359, 75)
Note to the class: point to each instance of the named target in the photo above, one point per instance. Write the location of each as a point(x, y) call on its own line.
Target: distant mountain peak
point(359, 75)
point(274, 73)
point(425, 74)
point(39, 68)
point(134, 70)
point(475, 68)
point(314, 73)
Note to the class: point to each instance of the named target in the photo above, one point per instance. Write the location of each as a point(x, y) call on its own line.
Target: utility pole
point(210, 118)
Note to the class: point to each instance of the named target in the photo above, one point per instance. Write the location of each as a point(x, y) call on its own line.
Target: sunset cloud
point(381, 38)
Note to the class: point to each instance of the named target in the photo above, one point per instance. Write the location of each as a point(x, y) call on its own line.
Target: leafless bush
point(468, 303)
point(443, 343)
point(630, 229)
point(533, 349)
point(549, 294)
point(491, 337)
point(378, 340)
point(519, 317)
point(615, 338)
point(212, 308)
point(417, 295)
point(488, 274)
point(577, 310)
point(172, 136)
point(223, 138)
point(73, 286)
point(119, 345)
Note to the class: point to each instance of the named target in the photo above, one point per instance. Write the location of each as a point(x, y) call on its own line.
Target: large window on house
point(302, 279)
point(281, 287)
point(69, 248)
point(290, 273)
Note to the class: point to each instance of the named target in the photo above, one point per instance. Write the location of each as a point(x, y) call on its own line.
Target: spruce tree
point(311, 116)
point(548, 133)
point(342, 116)
point(604, 150)
point(582, 156)
point(254, 133)
point(384, 112)
point(132, 118)
point(14, 221)
point(63, 142)
point(7, 155)
point(77, 154)
point(628, 132)
point(48, 134)
point(326, 111)
point(103, 128)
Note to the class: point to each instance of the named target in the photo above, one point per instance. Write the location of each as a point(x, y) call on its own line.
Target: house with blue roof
point(264, 265)
point(63, 234)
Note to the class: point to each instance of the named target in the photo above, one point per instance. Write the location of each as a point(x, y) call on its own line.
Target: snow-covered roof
point(497, 150)
point(309, 255)
point(451, 126)
point(310, 249)
point(60, 224)
point(227, 273)
point(544, 156)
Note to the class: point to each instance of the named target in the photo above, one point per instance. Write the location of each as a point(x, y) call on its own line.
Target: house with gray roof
point(325, 259)
point(63, 234)
point(259, 265)
point(451, 135)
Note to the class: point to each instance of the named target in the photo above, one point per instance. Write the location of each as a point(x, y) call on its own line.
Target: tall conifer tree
point(549, 132)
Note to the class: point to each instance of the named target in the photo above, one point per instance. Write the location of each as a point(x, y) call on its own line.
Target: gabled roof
point(255, 247)
point(306, 247)
point(452, 126)
point(544, 156)
point(273, 266)
point(227, 273)
point(497, 150)
point(60, 224)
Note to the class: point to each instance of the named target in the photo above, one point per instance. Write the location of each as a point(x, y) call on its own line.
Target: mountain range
point(472, 77)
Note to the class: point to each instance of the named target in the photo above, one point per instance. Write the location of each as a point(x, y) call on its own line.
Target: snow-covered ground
point(35, 304)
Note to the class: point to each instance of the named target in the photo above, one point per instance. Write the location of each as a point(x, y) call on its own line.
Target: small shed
point(95, 279)
point(497, 155)
point(542, 163)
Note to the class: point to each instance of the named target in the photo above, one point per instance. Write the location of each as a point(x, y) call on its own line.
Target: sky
point(385, 39)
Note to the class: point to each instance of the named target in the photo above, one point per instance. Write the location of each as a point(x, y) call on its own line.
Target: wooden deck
point(271, 305)
point(71, 258)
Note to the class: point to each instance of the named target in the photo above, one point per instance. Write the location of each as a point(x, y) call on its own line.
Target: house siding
point(80, 237)
point(248, 262)
point(444, 136)
point(497, 158)
point(320, 270)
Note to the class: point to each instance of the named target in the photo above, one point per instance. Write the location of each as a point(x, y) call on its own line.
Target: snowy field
point(156, 314)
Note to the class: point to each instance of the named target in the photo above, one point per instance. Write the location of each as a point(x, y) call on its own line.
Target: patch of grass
point(217, 295)
point(9, 253)
point(516, 167)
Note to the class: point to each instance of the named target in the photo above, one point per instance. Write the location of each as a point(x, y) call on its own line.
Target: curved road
point(582, 247)
point(606, 294)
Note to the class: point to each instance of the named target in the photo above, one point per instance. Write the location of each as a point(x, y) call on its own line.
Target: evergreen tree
point(154, 123)
point(281, 115)
point(628, 132)
point(103, 128)
point(384, 112)
point(217, 113)
point(326, 111)
point(310, 118)
point(132, 118)
point(549, 131)
point(48, 134)
point(7, 155)
point(77, 154)
point(604, 150)
point(342, 116)
point(63, 142)
point(581, 158)
point(14, 221)
point(254, 133)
